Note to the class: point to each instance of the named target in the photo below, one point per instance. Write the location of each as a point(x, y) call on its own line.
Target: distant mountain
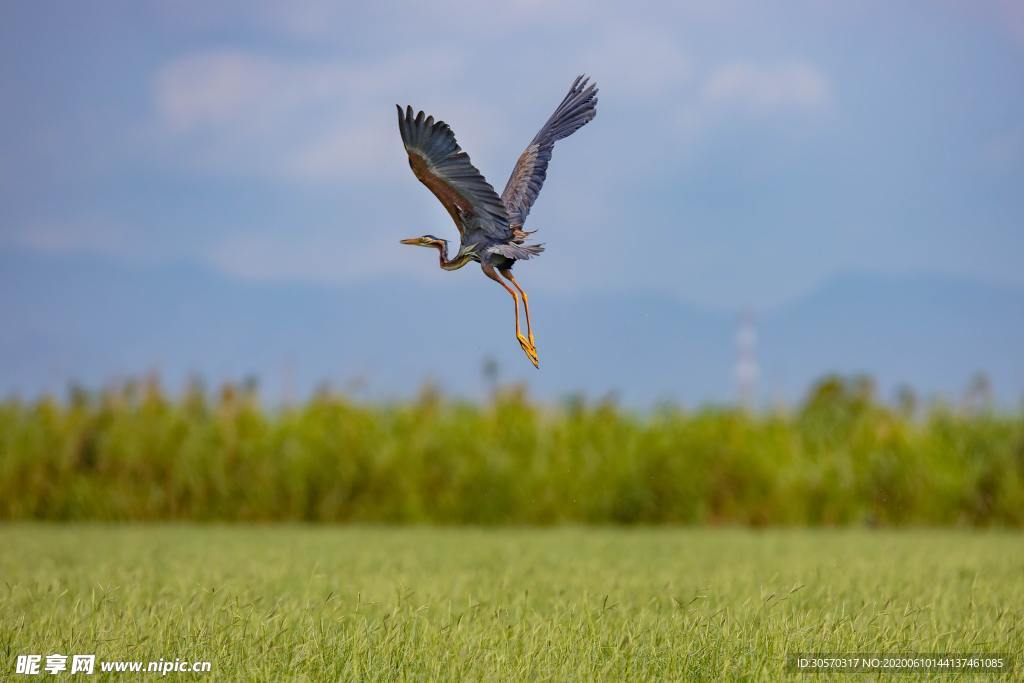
point(87, 318)
point(930, 332)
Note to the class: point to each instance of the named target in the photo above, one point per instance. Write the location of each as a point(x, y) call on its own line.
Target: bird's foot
point(529, 349)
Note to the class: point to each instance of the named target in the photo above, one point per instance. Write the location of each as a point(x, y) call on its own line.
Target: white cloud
point(229, 88)
point(369, 145)
point(767, 87)
point(236, 111)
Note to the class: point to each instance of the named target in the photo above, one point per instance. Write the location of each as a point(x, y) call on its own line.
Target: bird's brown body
point(490, 227)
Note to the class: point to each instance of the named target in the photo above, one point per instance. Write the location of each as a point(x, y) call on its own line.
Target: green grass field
point(322, 603)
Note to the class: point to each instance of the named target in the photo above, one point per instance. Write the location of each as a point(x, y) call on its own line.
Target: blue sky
point(743, 153)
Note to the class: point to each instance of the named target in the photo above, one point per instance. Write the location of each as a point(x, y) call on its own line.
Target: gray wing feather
point(578, 108)
point(440, 164)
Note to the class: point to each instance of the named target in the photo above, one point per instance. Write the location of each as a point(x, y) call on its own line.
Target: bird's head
point(425, 241)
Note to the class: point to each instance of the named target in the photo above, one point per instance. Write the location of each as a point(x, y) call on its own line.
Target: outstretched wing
point(440, 164)
point(578, 107)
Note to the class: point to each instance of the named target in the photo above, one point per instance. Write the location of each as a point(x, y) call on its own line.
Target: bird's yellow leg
point(526, 304)
point(525, 343)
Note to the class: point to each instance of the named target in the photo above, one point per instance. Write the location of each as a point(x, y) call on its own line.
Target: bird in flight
point(491, 227)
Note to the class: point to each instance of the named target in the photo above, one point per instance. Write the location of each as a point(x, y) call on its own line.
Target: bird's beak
point(412, 240)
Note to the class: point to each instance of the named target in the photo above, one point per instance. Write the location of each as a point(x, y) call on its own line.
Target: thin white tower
point(747, 370)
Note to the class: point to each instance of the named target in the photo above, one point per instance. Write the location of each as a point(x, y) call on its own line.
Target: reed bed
point(842, 457)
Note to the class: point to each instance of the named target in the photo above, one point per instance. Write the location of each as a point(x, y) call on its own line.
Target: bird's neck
point(454, 264)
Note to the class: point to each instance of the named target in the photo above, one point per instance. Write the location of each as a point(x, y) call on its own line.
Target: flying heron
point(490, 227)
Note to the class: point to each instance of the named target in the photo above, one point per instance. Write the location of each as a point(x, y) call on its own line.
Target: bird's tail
point(518, 252)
